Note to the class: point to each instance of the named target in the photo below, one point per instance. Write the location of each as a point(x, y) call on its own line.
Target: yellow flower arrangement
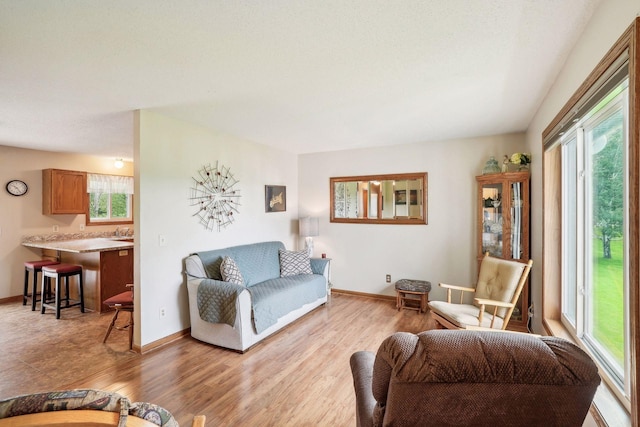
point(520, 158)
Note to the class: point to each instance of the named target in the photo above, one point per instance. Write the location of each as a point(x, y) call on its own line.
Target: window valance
point(109, 184)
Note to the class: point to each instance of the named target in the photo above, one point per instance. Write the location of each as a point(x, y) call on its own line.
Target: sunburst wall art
point(214, 192)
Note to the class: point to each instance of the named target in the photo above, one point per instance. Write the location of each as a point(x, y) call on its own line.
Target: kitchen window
point(110, 199)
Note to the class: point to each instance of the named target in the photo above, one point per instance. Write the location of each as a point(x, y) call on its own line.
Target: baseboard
point(162, 342)
point(363, 294)
point(17, 298)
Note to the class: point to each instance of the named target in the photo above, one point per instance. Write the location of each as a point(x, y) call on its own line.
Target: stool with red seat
point(33, 267)
point(59, 272)
point(121, 302)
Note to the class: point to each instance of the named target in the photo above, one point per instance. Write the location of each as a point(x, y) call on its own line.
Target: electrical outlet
point(162, 240)
point(55, 228)
point(81, 227)
point(388, 278)
point(531, 311)
point(162, 312)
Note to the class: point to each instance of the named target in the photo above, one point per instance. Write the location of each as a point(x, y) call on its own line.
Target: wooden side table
point(412, 290)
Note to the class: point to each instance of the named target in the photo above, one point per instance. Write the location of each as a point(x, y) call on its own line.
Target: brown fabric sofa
point(473, 378)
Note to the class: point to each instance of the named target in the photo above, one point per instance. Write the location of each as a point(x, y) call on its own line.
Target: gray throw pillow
point(294, 262)
point(230, 271)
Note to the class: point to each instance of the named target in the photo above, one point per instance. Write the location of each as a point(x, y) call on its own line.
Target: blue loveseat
point(260, 302)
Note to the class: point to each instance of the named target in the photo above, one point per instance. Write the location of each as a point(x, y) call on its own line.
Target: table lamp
point(309, 229)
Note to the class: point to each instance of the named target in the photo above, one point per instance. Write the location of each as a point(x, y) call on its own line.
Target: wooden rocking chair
point(499, 285)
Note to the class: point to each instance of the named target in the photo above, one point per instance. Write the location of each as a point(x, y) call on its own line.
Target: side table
point(412, 290)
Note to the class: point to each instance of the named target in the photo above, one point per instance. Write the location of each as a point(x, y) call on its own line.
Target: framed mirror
point(379, 199)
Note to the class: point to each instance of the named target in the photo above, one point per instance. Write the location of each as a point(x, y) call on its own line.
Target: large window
point(595, 234)
point(110, 199)
point(591, 224)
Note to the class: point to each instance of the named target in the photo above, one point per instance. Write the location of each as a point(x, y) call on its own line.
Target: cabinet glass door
point(492, 219)
point(516, 220)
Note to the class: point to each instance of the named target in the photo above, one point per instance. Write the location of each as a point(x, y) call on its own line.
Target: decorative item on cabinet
point(491, 166)
point(503, 226)
point(64, 192)
point(522, 160)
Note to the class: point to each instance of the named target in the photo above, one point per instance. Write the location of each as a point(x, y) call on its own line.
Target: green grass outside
point(608, 327)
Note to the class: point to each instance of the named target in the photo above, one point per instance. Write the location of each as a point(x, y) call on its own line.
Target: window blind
point(610, 79)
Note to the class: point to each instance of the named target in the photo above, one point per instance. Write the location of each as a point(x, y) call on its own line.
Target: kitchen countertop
point(100, 244)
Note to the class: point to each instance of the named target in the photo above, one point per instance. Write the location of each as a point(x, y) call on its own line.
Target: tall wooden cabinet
point(503, 226)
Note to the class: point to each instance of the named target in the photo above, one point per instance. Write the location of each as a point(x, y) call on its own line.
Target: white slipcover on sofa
point(259, 266)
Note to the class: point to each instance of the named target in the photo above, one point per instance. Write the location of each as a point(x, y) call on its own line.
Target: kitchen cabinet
point(503, 227)
point(64, 192)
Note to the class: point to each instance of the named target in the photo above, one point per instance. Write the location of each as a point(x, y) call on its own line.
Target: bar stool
point(34, 267)
point(121, 302)
point(58, 272)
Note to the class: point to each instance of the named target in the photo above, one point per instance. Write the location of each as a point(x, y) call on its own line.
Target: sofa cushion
point(498, 280)
point(230, 271)
point(462, 315)
point(257, 261)
point(294, 262)
point(275, 298)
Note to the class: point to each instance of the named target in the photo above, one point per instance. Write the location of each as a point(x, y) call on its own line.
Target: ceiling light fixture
point(119, 164)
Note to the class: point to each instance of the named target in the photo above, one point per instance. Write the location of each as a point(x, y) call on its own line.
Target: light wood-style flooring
point(299, 376)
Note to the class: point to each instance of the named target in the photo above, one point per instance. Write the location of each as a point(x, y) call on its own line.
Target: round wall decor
point(16, 187)
point(215, 195)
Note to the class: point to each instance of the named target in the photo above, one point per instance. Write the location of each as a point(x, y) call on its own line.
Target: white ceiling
point(300, 75)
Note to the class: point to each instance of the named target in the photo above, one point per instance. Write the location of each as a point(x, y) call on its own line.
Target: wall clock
point(215, 194)
point(16, 187)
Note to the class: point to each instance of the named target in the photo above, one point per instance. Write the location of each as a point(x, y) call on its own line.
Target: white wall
point(442, 251)
point(168, 154)
point(608, 23)
point(22, 216)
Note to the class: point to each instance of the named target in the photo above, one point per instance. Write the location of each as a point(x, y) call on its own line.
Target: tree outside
point(100, 203)
point(607, 178)
point(607, 181)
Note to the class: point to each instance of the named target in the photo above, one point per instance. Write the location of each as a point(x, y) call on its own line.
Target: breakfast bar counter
point(107, 264)
point(98, 244)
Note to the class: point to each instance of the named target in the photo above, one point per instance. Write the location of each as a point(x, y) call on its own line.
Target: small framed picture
point(401, 197)
point(275, 198)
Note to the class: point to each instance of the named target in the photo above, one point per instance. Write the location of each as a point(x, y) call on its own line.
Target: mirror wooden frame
point(401, 220)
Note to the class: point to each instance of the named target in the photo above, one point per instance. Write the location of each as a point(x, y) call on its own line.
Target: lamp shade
point(309, 227)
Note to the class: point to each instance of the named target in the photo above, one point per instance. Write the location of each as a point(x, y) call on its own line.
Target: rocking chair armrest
point(484, 301)
point(457, 288)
